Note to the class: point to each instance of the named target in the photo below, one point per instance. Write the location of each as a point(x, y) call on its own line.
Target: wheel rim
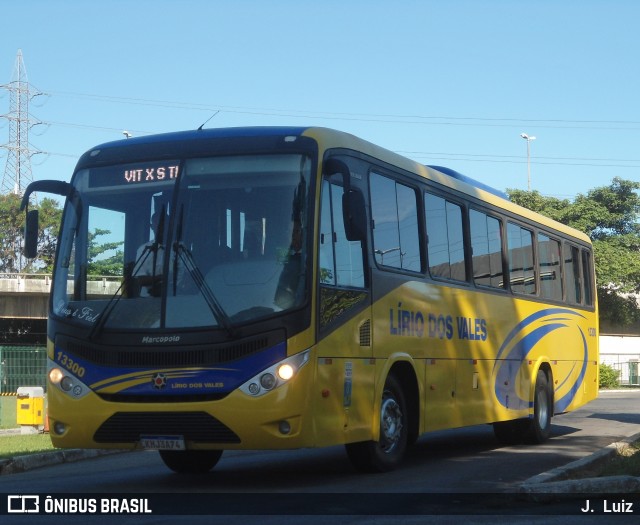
point(390, 425)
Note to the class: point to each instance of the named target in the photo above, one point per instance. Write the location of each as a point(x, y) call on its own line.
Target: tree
point(609, 215)
point(101, 262)
point(12, 235)
point(11, 225)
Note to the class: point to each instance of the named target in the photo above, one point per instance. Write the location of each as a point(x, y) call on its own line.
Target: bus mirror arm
point(47, 186)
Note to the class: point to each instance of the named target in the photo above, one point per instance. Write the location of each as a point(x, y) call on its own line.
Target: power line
point(461, 121)
point(513, 159)
point(626, 125)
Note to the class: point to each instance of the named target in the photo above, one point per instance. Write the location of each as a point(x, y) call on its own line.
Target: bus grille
point(127, 427)
point(203, 355)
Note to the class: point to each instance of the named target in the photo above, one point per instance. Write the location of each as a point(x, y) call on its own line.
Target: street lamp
point(528, 139)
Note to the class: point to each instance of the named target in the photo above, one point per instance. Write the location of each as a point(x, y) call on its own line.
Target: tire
point(389, 451)
point(190, 461)
point(534, 430)
point(540, 426)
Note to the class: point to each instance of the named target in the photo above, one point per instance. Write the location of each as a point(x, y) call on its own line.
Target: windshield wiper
point(196, 274)
point(126, 284)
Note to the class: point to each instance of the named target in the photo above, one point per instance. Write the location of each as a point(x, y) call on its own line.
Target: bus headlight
point(65, 381)
point(276, 375)
point(66, 384)
point(285, 372)
point(268, 381)
point(55, 376)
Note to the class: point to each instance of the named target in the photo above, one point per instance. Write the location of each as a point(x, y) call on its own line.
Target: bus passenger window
point(445, 238)
point(587, 278)
point(486, 244)
point(521, 270)
point(550, 274)
point(395, 218)
point(572, 272)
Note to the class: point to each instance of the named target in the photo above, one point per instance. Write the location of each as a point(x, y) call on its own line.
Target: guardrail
point(40, 283)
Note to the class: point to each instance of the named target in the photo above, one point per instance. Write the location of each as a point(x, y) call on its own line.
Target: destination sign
point(134, 174)
point(151, 174)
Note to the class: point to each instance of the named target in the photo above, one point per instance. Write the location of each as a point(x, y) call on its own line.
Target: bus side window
point(522, 273)
point(587, 278)
point(445, 238)
point(341, 261)
point(549, 261)
point(486, 244)
point(395, 217)
point(572, 272)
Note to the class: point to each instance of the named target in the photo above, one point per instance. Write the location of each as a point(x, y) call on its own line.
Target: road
point(448, 464)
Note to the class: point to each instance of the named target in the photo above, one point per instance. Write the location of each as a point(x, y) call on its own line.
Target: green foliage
point(11, 226)
point(101, 262)
point(609, 377)
point(11, 235)
point(104, 258)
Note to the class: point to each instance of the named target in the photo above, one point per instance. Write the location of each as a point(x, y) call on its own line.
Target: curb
point(44, 459)
point(581, 477)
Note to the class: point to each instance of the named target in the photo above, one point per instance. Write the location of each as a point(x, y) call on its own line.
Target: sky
point(445, 82)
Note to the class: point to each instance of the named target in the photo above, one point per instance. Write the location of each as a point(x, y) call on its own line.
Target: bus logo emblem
point(159, 381)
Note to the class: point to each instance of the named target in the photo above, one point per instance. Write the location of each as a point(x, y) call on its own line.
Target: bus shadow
point(631, 418)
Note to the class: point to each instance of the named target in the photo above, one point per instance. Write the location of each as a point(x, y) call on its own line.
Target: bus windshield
point(203, 242)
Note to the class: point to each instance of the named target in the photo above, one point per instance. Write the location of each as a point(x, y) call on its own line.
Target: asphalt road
point(445, 474)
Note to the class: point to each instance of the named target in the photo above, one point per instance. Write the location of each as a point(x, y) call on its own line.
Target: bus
point(288, 287)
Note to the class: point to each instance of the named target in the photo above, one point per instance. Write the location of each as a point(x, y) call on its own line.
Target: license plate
point(162, 442)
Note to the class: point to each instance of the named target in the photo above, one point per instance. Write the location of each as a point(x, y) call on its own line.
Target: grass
point(12, 445)
point(8, 417)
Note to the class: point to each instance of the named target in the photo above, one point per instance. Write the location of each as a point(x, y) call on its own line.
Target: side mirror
point(354, 215)
point(31, 235)
point(353, 208)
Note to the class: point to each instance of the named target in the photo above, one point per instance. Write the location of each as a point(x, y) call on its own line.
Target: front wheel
point(190, 461)
point(386, 453)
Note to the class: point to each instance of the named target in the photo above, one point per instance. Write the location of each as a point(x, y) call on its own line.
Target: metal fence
point(22, 366)
point(628, 371)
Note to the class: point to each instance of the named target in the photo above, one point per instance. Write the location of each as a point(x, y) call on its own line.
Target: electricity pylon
point(17, 171)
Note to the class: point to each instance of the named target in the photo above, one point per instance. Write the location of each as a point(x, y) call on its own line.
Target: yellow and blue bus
point(281, 287)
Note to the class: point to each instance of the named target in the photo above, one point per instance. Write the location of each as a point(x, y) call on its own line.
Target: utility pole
point(17, 171)
point(528, 138)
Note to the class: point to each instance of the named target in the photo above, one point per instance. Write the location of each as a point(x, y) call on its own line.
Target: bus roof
point(329, 138)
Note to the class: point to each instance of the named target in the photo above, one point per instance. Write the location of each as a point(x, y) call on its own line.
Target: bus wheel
point(190, 461)
point(536, 430)
point(387, 453)
point(540, 426)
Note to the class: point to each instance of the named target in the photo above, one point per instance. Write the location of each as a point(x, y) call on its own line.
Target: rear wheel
point(534, 430)
point(386, 453)
point(190, 461)
point(540, 426)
